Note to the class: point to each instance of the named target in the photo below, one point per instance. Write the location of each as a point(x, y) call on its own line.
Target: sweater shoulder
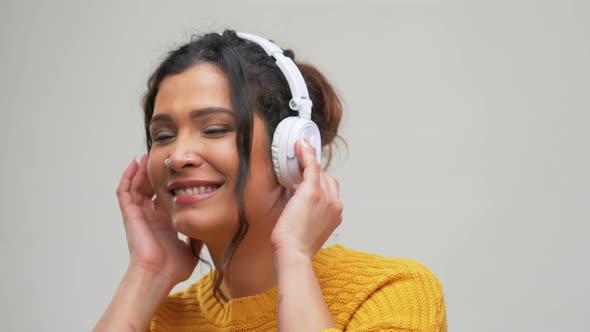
point(354, 276)
point(358, 265)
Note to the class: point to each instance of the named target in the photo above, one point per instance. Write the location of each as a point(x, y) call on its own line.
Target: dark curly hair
point(256, 85)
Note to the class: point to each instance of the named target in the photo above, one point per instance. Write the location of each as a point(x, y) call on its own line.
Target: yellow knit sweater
point(364, 292)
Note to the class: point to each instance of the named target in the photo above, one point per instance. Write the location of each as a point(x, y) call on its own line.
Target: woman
point(210, 112)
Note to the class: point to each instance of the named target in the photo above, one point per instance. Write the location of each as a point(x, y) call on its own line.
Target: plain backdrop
point(466, 124)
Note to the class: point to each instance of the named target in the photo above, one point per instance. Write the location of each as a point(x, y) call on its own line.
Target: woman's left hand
point(312, 213)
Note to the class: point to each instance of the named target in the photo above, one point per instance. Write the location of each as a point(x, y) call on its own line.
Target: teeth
point(194, 190)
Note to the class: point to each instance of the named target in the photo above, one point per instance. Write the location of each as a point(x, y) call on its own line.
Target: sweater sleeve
point(411, 302)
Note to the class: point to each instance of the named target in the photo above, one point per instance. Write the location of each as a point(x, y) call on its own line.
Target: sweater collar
point(250, 308)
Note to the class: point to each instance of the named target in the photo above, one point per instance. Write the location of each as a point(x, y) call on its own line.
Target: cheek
point(262, 189)
point(223, 159)
point(262, 172)
point(153, 171)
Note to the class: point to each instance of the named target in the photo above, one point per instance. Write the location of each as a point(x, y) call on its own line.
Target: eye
point(216, 131)
point(161, 137)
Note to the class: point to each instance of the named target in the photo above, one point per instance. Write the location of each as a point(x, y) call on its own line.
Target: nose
point(186, 152)
point(184, 159)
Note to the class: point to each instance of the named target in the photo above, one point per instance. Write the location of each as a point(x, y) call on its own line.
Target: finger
point(146, 186)
point(307, 160)
point(125, 184)
point(334, 192)
point(324, 181)
point(155, 202)
point(333, 186)
point(140, 183)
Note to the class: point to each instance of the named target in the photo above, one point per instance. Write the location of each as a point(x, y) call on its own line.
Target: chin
point(201, 225)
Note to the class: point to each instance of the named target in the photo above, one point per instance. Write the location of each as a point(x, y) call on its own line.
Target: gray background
point(466, 125)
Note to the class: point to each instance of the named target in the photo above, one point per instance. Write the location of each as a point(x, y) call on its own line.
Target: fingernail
point(304, 143)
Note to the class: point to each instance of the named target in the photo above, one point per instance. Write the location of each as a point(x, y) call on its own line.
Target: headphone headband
point(300, 101)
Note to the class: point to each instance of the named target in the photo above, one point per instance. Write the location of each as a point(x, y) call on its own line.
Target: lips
point(193, 183)
point(192, 190)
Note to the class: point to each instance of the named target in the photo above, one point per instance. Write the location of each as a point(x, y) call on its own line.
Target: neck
point(251, 270)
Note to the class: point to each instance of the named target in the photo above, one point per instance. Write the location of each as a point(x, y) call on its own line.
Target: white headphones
point(292, 128)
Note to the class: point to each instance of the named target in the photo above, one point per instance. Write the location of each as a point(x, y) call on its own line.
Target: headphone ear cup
point(279, 149)
point(285, 162)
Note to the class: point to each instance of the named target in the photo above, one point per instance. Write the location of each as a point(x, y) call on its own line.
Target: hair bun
point(327, 108)
point(289, 53)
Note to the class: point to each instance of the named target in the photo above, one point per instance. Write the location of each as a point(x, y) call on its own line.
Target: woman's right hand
point(159, 260)
point(154, 246)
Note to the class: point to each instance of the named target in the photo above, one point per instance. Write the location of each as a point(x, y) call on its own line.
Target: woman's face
point(194, 126)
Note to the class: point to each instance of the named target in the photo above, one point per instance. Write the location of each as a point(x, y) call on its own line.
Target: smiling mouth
point(191, 191)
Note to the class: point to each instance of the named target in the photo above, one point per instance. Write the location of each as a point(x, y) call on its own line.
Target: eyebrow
point(193, 114)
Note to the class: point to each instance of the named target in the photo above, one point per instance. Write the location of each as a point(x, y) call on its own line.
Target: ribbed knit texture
point(364, 292)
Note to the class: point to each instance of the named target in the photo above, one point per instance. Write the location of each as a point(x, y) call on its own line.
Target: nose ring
point(168, 162)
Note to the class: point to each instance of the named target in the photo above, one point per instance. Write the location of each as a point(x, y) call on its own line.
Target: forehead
point(200, 86)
